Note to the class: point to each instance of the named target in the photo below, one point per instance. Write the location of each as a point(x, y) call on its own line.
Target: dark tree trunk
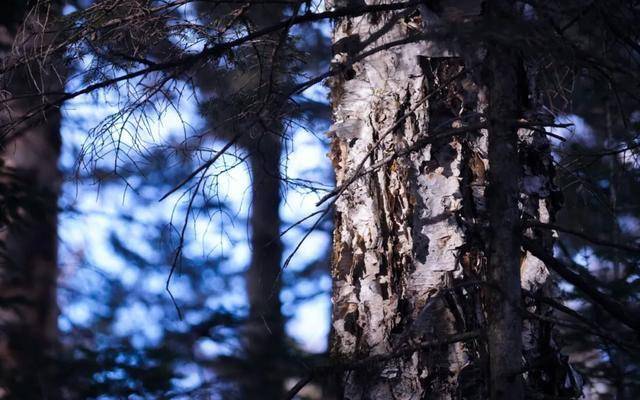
point(504, 319)
point(30, 183)
point(246, 107)
point(265, 335)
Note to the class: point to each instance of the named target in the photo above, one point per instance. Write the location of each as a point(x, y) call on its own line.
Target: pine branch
point(617, 310)
point(601, 242)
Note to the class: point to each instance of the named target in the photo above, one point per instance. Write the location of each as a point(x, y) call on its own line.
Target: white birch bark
point(410, 238)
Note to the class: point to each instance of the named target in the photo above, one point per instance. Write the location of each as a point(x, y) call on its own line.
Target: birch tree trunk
point(422, 249)
point(30, 183)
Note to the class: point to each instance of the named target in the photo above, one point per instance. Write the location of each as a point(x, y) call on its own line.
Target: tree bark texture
point(30, 183)
point(415, 253)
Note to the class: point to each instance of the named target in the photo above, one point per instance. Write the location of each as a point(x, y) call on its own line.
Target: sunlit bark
point(421, 249)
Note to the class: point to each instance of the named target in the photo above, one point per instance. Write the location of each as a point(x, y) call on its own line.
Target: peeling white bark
point(397, 233)
point(409, 238)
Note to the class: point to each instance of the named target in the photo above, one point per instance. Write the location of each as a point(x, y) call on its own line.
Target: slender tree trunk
point(504, 330)
point(265, 336)
point(246, 108)
point(421, 250)
point(30, 184)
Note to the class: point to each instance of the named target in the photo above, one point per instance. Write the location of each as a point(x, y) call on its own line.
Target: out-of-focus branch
point(617, 310)
point(601, 242)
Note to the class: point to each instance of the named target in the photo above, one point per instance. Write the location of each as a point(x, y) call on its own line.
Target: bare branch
point(617, 310)
point(601, 242)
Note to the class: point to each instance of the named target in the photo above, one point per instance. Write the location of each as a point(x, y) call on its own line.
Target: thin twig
point(204, 167)
point(601, 242)
point(617, 310)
